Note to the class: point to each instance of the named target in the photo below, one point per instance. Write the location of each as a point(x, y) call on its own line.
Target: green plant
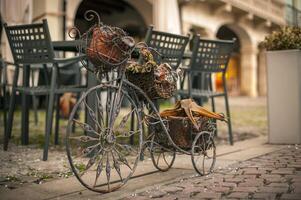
point(286, 38)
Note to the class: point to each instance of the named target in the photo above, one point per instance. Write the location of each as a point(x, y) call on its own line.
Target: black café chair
point(170, 46)
point(31, 45)
point(208, 57)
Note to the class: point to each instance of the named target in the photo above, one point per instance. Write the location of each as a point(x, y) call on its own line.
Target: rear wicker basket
point(152, 88)
point(181, 131)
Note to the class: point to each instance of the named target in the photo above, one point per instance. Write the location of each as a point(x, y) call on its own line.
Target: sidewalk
point(276, 175)
point(250, 168)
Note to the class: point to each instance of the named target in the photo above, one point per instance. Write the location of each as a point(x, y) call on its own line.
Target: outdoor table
point(70, 45)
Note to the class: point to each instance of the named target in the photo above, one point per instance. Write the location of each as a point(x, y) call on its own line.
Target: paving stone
point(208, 195)
point(227, 184)
point(171, 189)
point(138, 198)
point(244, 189)
point(254, 183)
point(271, 176)
point(291, 196)
point(275, 180)
point(221, 189)
point(248, 176)
point(297, 189)
point(296, 179)
point(239, 195)
point(283, 171)
point(297, 166)
point(157, 194)
point(272, 189)
point(264, 196)
point(193, 190)
point(234, 180)
point(252, 171)
point(284, 185)
point(278, 165)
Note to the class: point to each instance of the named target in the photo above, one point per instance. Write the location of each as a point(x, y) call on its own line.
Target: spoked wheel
point(163, 158)
point(203, 153)
point(99, 151)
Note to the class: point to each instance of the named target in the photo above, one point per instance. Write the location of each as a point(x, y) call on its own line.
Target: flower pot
point(284, 96)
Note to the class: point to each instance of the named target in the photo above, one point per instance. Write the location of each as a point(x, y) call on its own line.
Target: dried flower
point(286, 38)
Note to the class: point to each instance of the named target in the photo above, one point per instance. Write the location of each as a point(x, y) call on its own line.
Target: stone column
point(262, 73)
point(167, 16)
point(249, 71)
point(52, 11)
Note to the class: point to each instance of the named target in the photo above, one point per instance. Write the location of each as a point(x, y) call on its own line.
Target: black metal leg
point(213, 110)
point(142, 152)
point(34, 101)
point(57, 120)
point(49, 116)
point(4, 107)
point(212, 101)
point(25, 108)
point(132, 127)
point(11, 110)
point(228, 112)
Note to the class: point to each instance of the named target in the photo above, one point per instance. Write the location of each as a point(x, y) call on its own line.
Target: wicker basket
point(108, 45)
point(152, 88)
point(181, 131)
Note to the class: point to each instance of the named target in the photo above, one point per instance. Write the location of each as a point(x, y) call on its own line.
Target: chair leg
point(57, 120)
point(4, 107)
point(12, 104)
point(25, 108)
point(212, 103)
point(49, 116)
point(228, 112)
point(213, 110)
point(34, 101)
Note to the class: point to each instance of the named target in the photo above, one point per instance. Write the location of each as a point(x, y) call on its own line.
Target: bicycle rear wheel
point(203, 153)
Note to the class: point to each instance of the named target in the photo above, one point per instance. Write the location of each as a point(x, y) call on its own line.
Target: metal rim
point(167, 160)
point(204, 150)
point(104, 151)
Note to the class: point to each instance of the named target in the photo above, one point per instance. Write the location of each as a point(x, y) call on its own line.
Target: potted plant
point(284, 85)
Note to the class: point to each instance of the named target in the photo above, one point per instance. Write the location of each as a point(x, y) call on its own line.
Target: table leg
point(91, 82)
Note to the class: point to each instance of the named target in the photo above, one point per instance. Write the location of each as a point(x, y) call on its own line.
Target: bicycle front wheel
point(97, 142)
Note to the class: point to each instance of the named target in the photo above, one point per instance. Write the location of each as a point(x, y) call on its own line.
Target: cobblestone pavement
point(272, 176)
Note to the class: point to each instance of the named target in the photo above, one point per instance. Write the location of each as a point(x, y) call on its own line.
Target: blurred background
point(247, 20)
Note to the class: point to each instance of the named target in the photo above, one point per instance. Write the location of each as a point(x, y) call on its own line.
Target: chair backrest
point(30, 43)
point(170, 46)
point(211, 55)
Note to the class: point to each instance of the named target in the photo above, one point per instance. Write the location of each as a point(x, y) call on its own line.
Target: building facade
point(249, 21)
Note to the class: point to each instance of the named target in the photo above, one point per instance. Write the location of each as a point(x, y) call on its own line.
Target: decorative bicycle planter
point(99, 150)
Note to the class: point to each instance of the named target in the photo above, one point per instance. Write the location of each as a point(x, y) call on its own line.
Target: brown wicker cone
point(102, 47)
point(181, 131)
point(152, 88)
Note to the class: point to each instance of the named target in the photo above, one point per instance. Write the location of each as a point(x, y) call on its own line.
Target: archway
point(233, 71)
point(241, 75)
point(115, 13)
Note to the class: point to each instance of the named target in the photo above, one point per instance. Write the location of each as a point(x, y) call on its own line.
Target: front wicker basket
point(108, 45)
point(181, 131)
point(152, 88)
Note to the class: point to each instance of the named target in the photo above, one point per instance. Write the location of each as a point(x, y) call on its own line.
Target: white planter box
point(284, 96)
